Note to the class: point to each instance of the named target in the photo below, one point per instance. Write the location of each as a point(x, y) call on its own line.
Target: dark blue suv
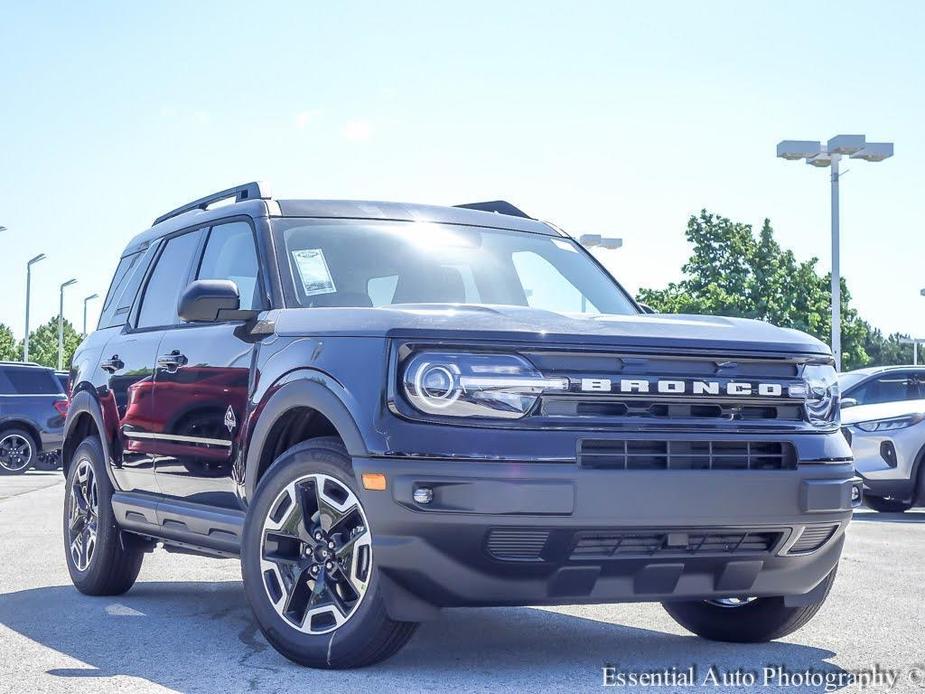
point(385, 409)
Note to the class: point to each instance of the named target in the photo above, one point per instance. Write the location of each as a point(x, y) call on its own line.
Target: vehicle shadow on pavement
point(889, 517)
point(200, 636)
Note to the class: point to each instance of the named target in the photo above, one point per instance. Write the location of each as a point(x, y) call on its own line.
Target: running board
point(195, 527)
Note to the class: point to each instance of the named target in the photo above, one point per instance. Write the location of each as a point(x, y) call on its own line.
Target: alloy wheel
point(316, 554)
point(15, 452)
point(83, 515)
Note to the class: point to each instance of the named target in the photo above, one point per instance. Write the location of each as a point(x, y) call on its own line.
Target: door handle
point(112, 364)
point(172, 361)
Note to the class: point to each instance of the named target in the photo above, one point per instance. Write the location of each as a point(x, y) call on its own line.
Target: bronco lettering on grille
point(687, 387)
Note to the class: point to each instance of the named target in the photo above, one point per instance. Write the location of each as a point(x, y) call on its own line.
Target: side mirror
point(646, 308)
point(848, 402)
point(211, 301)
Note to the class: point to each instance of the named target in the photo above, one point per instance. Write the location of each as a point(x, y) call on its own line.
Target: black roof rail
point(498, 206)
point(246, 191)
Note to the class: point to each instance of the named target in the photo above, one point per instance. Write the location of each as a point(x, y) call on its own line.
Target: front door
point(202, 376)
point(200, 389)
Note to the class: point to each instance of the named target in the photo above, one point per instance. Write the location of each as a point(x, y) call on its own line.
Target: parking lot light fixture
point(25, 342)
point(829, 155)
point(61, 321)
point(86, 299)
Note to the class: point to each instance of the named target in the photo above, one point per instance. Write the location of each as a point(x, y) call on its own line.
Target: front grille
point(628, 544)
point(812, 538)
point(643, 409)
point(613, 407)
point(649, 454)
point(517, 544)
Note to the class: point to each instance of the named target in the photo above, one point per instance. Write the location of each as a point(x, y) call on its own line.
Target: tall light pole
point(86, 299)
point(61, 322)
point(856, 147)
point(25, 342)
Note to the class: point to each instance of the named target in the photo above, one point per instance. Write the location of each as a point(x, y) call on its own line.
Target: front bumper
point(547, 533)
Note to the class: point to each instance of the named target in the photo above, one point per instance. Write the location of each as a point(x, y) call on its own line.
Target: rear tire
point(881, 505)
point(18, 451)
point(756, 621)
point(97, 561)
point(308, 566)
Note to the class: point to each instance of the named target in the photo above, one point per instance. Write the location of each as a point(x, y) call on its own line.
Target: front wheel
point(308, 566)
point(745, 620)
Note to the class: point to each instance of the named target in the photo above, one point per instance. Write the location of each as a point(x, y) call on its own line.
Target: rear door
point(129, 359)
point(201, 379)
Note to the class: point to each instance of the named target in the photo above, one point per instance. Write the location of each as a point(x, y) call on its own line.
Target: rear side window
point(29, 382)
point(123, 289)
point(168, 280)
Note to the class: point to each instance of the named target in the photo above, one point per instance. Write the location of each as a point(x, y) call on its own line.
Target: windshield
point(847, 380)
point(376, 263)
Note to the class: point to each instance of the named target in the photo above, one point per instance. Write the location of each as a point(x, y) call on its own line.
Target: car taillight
point(61, 406)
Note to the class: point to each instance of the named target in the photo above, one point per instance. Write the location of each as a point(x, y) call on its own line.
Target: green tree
point(733, 272)
point(43, 343)
point(10, 350)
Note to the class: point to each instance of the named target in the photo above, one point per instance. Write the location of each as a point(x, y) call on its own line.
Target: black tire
point(881, 505)
point(367, 635)
point(18, 451)
point(757, 621)
point(111, 568)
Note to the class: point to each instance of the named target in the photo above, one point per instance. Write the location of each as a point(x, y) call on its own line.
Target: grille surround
point(672, 454)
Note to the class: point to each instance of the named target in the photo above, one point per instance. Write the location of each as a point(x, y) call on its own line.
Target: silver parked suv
point(888, 442)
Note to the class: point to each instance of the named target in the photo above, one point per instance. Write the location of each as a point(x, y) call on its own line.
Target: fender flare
point(305, 388)
point(82, 402)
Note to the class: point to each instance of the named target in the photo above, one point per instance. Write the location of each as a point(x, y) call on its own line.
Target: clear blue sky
point(618, 118)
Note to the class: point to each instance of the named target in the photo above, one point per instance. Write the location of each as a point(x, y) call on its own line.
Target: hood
point(538, 327)
point(882, 410)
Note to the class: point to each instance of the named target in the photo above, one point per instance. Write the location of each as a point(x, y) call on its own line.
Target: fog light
point(423, 495)
point(855, 496)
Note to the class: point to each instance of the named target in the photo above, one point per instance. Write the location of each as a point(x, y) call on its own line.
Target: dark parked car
point(385, 409)
point(32, 410)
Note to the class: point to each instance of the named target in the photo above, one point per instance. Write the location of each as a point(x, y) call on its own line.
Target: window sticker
point(313, 271)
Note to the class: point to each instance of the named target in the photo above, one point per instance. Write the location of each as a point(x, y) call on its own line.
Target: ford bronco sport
point(385, 409)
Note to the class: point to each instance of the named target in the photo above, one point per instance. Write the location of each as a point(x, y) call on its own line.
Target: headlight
point(456, 384)
point(821, 394)
point(891, 424)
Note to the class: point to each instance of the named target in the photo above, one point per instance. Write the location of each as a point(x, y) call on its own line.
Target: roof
point(200, 212)
point(410, 212)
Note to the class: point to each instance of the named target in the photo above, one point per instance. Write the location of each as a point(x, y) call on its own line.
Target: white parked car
point(888, 442)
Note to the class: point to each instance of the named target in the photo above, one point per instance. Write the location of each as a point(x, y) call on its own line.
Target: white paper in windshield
point(313, 271)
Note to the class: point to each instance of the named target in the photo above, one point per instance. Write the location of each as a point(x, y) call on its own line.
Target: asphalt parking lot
point(185, 626)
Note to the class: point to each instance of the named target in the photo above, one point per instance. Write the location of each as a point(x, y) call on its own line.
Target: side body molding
point(302, 388)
